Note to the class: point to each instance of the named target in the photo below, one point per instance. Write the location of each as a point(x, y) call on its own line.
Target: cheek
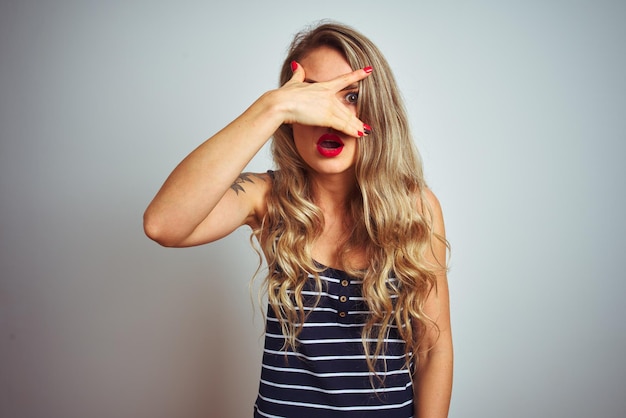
point(298, 135)
point(303, 134)
point(303, 131)
point(300, 139)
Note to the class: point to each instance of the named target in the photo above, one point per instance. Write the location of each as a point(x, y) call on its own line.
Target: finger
point(350, 78)
point(354, 128)
point(344, 121)
point(298, 72)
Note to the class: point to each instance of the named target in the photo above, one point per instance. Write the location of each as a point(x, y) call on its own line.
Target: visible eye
point(352, 97)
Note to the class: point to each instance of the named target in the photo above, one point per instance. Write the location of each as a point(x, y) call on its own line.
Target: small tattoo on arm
point(237, 186)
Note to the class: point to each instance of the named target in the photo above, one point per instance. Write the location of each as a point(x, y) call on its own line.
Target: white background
point(519, 109)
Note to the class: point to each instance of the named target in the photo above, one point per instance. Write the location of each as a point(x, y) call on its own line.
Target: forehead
point(324, 63)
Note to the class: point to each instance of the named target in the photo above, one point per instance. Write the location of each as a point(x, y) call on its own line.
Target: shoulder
point(251, 181)
point(427, 202)
point(253, 187)
point(430, 209)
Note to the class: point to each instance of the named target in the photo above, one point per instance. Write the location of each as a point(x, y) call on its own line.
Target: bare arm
point(433, 375)
point(201, 180)
point(195, 205)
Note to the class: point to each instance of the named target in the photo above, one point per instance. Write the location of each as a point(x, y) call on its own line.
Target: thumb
point(298, 72)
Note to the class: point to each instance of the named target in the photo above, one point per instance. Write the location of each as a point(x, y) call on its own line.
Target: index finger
point(349, 78)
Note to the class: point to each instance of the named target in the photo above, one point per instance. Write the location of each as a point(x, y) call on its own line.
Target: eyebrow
point(353, 86)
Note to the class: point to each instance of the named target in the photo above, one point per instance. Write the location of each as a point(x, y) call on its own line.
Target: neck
point(331, 192)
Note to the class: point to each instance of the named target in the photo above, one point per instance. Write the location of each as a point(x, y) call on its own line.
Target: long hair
point(389, 213)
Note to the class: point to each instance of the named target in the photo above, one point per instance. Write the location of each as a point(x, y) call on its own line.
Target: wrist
point(274, 108)
point(262, 118)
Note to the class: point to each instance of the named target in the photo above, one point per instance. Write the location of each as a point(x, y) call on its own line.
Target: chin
point(332, 168)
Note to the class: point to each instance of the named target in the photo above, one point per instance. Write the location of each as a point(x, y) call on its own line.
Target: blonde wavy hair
point(386, 222)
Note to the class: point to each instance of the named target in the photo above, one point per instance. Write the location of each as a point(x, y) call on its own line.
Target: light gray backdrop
point(519, 109)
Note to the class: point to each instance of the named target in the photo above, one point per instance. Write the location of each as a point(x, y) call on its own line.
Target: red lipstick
point(329, 145)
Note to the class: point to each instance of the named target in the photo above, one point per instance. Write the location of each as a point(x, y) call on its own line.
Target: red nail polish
point(294, 66)
point(367, 129)
point(360, 133)
point(368, 69)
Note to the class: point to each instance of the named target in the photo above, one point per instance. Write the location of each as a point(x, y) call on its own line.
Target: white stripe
point(338, 340)
point(326, 278)
point(325, 309)
point(330, 296)
point(335, 280)
point(256, 406)
point(334, 374)
point(322, 309)
point(323, 358)
point(338, 391)
point(338, 408)
point(351, 281)
point(321, 324)
point(330, 324)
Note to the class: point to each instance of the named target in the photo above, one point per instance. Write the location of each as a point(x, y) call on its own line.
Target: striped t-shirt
point(327, 374)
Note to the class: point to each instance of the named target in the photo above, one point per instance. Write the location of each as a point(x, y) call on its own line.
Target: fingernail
point(360, 133)
point(368, 69)
point(294, 66)
point(367, 129)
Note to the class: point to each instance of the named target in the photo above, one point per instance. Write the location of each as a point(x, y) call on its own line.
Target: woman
point(358, 319)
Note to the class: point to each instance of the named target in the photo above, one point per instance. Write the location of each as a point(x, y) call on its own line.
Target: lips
point(329, 145)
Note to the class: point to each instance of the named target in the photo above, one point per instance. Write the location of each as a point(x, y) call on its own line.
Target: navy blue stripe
point(328, 375)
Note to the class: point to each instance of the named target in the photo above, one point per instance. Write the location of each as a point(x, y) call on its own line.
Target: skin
point(206, 197)
point(433, 376)
point(325, 64)
point(195, 205)
point(333, 178)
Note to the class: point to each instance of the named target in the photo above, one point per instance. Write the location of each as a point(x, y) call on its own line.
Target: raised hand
point(193, 207)
point(322, 103)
